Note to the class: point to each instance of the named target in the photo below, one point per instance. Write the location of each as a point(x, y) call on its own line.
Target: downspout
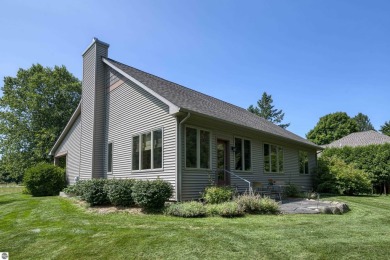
point(179, 162)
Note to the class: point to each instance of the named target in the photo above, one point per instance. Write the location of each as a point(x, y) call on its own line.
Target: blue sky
point(314, 57)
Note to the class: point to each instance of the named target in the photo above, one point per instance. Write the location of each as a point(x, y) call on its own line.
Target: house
point(360, 139)
point(132, 124)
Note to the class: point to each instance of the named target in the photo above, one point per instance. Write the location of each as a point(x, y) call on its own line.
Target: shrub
point(372, 159)
point(119, 192)
point(215, 194)
point(227, 209)
point(212, 209)
point(291, 190)
point(269, 206)
point(151, 195)
point(190, 209)
point(250, 204)
point(93, 192)
point(257, 205)
point(44, 179)
point(76, 189)
point(336, 176)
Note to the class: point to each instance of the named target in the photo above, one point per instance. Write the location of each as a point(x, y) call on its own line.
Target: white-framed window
point(303, 162)
point(109, 157)
point(197, 148)
point(242, 154)
point(273, 158)
point(147, 150)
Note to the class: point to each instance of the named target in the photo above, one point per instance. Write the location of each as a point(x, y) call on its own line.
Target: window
point(109, 158)
point(303, 162)
point(242, 154)
point(204, 143)
point(147, 151)
point(157, 148)
point(197, 148)
point(191, 147)
point(135, 153)
point(273, 158)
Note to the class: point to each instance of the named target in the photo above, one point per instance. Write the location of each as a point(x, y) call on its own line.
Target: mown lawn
point(56, 228)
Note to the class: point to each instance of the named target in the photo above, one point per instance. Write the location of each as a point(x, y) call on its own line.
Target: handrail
point(249, 183)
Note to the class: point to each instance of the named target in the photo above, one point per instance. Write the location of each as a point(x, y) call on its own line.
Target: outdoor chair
point(257, 188)
point(275, 191)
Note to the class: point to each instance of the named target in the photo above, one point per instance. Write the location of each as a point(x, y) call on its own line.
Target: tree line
point(329, 128)
point(334, 126)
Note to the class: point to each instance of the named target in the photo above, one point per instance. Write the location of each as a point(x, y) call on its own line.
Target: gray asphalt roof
point(360, 139)
point(194, 101)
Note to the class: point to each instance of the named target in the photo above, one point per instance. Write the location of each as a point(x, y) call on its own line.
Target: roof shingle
point(194, 101)
point(360, 139)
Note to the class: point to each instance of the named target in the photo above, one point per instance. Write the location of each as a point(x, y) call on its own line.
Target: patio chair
point(257, 187)
point(274, 191)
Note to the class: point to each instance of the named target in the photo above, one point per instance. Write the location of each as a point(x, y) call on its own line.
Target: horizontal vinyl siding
point(195, 180)
point(93, 113)
point(132, 111)
point(99, 114)
point(87, 113)
point(71, 146)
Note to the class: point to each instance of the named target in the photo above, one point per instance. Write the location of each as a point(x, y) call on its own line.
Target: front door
point(222, 163)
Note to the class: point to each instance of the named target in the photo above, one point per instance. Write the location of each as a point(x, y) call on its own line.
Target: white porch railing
point(232, 174)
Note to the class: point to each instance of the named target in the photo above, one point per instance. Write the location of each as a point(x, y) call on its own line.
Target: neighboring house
point(132, 124)
point(359, 139)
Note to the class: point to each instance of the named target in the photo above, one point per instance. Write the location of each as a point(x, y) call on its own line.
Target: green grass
point(56, 228)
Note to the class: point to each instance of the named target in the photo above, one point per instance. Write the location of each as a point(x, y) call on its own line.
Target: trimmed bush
point(93, 192)
point(269, 206)
point(257, 205)
point(151, 195)
point(76, 189)
point(250, 204)
point(227, 209)
point(216, 194)
point(291, 191)
point(212, 209)
point(44, 179)
point(119, 192)
point(192, 209)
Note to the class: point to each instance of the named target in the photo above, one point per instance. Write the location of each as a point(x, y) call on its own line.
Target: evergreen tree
point(385, 128)
point(363, 122)
point(266, 110)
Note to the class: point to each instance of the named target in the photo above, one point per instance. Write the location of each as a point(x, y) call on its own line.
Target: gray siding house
point(132, 124)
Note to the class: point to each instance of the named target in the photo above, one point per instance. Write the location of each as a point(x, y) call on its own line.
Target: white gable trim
point(173, 109)
point(66, 129)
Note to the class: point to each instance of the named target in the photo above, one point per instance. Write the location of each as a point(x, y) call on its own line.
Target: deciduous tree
point(34, 108)
point(332, 127)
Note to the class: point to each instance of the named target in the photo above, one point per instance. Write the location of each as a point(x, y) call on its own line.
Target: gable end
point(173, 109)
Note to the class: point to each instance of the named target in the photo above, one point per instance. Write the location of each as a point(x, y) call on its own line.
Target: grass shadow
point(4, 202)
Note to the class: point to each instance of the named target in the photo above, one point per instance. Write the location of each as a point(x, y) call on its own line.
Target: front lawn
point(56, 228)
